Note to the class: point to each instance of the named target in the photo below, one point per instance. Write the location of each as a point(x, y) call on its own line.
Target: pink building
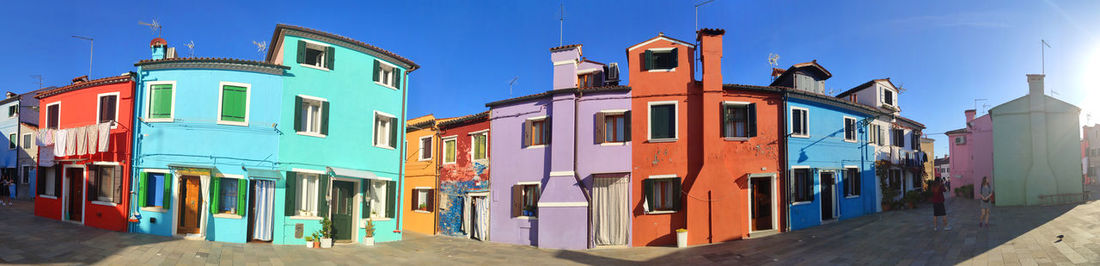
point(971, 151)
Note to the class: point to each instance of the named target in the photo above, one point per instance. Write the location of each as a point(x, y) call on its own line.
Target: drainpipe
point(435, 159)
point(786, 162)
point(401, 155)
point(584, 189)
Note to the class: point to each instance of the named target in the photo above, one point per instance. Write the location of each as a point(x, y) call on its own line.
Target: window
point(311, 117)
point(898, 138)
point(387, 75)
point(895, 179)
point(13, 110)
point(106, 183)
point(381, 198)
point(851, 182)
point(888, 97)
point(12, 141)
point(873, 134)
point(307, 189)
point(154, 189)
point(26, 175)
point(233, 109)
point(315, 55)
point(423, 199)
point(481, 145)
point(228, 189)
point(108, 107)
point(450, 147)
point(916, 181)
point(53, 115)
point(800, 122)
point(161, 101)
point(661, 59)
point(385, 130)
point(662, 194)
point(662, 120)
point(27, 139)
point(587, 81)
point(47, 180)
point(849, 129)
point(525, 199)
point(425, 148)
point(612, 127)
point(538, 131)
point(738, 120)
point(802, 185)
point(914, 140)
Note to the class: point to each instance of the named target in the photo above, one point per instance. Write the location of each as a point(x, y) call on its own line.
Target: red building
point(464, 176)
point(84, 156)
point(707, 155)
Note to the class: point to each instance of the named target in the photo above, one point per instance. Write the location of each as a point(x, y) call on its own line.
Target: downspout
point(436, 161)
point(401, 155)
point(786, 162)
point(135, 149)
point(576, 144)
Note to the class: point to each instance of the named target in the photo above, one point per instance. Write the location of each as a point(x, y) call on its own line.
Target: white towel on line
point(70, 142)
point(81, 141)
point(93, 135)
point(104, 136)
point(59, 144)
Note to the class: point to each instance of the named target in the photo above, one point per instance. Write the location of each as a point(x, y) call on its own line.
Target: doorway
point(190, 218)
point(610, 210)
point(760, 190)
point(476, 222)
point(828, 195)
point(75, 198)
point(343, 202)
point(262, 208)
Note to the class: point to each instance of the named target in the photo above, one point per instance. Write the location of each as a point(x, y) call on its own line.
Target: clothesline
point(83, 140)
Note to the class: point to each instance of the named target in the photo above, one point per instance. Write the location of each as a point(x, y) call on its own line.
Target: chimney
point(565, 60)
point(1035, 84)
point(80, 79)
point(11, 95)
point(970, 115)
point(710, 42)
point(159, 47)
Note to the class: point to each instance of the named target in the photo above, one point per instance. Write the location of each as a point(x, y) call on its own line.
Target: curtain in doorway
point(263, 197)
point(204, 193)
point(481, 220)
point(610, 213)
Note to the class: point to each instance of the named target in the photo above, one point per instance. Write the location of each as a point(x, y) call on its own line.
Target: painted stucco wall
point(981, 153)
point(462, 177)
point(1020, 177)
point(515, 163)
point(419, 173)
point(28, 157)
point(9, 125)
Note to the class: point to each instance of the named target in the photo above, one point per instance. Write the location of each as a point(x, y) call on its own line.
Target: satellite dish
point(155, 26)
point(773, 59)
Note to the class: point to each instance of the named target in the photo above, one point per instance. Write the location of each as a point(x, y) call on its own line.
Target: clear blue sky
point(945, 53)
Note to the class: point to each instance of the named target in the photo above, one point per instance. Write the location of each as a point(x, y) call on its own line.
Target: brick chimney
point(970, 115)
point(565, 60)
point(710, 42)
point(1035, 84)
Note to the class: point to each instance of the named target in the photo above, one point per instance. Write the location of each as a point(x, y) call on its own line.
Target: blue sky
point(944, 53)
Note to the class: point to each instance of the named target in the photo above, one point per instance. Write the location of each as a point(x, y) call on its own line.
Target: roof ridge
point(281, 26)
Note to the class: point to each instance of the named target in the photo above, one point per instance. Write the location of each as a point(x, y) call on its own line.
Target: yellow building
point(927, 145)
point(421, 175)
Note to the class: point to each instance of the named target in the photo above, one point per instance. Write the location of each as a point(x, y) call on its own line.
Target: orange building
point(706, 155)
point(421, 175)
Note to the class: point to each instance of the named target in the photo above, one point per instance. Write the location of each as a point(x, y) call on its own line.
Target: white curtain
point(610, 213)
point(481, 222)
point(205, 194)
point(264, 198)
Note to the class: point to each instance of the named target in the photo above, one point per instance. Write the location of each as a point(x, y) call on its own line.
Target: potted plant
point(681, 238)
point(326, 233)
point(316, 240)
point(529, 211)
point(309, 241)
point(422, 206)
point(911, 198)
point(369, 239)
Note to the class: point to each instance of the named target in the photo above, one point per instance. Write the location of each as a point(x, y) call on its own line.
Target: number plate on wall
point(299, 229)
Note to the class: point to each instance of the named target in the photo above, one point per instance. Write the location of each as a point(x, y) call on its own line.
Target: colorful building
point(562, 159)
point(85, 152)
point(1036, 149)
point(463, 184)
point(927, 146)
point(971, 150)
point(342, 105)
point(1090, 145)
point(19, 127)
point(28, 158)
point(207, 146)
point(421, 175)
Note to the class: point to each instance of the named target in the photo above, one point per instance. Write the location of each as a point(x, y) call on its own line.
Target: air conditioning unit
point(171, 53)
point(611, 74)
point(960, 140)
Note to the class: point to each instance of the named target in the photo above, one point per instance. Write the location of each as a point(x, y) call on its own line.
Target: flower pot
point(309, 244)
point(368, 241)
point(316, 244)
point(326, 242)
point(885, 207)
point(681, 239)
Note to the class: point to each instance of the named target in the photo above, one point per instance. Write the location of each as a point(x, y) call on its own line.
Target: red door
point(76, 194)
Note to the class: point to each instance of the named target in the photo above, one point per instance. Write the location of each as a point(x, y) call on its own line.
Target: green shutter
point(377, 66)
point(297, 114)
point(290, 200)
point(393, 133)
point(676, 194)
point(365, 212)
point(626, 125)
point(397, 78)
point(322, 195)
point(391, 198)
point(141, 190)
point(647, 188)
point(648, 60)
point(324, 118)
point(301, 51)
point(162, 101)
point(215, 192)
point(167, 191)
point(234, 103)
point(242, 196)
point(330, 57)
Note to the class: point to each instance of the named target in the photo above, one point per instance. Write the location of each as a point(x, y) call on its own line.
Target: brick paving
point(1019, 236)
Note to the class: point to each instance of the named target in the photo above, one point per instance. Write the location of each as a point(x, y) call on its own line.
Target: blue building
point(17, 126)
point(206, 146)
point(830, 164)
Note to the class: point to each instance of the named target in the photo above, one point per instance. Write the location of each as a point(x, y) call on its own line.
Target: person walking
point(987, 196)
point(939, 212)
point(4, 185)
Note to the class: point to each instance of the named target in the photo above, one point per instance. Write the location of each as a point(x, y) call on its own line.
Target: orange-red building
point(84, 152)
point(706, 155)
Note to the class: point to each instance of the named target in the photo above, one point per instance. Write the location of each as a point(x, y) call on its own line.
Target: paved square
point(1019, 236)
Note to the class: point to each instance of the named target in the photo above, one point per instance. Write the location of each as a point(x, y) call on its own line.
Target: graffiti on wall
point(452, 203)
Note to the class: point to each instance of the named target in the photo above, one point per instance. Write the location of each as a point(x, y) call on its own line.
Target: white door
point(610, 210)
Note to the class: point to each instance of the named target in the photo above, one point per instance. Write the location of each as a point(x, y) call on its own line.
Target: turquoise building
point(343, 103)
point(206, 147)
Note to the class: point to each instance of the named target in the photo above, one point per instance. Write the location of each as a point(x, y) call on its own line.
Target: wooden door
point(343, 201)
point(761, 204)
point(828, 187)
point(190, 204)
point(76, 193)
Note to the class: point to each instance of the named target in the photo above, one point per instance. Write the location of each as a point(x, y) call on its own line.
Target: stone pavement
point(1019, 236)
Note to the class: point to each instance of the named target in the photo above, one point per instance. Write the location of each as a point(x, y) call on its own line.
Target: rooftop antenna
point(90, 53)
point(510, 83)
point(1044, 54)
point(155, 26)
point(39, 78)
point(976, 103)
point(261, 47)
point(773, 61)
point(697, 12)
point(561, 25)
point(191, 47)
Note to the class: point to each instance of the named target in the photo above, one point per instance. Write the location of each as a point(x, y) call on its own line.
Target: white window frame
point(615, 112)
point(324, 55)
point(420, 148)
point(149, 101)
point(118, 99)
point(443, 149)
point(662, 50)
point(49, 190)
point(813, 183)
point(374, 126)
point(473, 145)
point(371, 191)
point(426, 190)
point(13, 141)
point(386, 75)
point(98, 182)
point(47, 111)
point(26, 178)
point(27, 137)
point(247, 102)
point(675, 126)
point(859, 174)
point(311, 197)
point(805, 120)
point(538, 187)
point(893, 94)
point(872, 133)
point(544, 124)
point(855, 129)
point(16, 105)
point(957, 138)
point(723, 106)
point(663, 211)
point(309, 118)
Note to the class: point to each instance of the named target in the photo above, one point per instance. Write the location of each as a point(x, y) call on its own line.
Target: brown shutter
point(93, 183)
point(118, 184)
point(546, 130)
point(526, 133)
point(431, 200)
point(58, 180)
point(517, 200)
point(601, 128)
point(40, 184)
point(626, 126)
point(415, 199)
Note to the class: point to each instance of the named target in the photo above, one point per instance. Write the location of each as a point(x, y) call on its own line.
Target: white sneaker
point(947, 228)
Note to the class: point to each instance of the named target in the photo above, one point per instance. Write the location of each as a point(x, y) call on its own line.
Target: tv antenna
point(561, 24)
point(155, 26)
point(91, 51)
point(1044, 55)
point(976, 103)
point(39, 78)
point(261, 47)
point(773, 59)
point(191, 47)
point(510, 83)
point(697, 12)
